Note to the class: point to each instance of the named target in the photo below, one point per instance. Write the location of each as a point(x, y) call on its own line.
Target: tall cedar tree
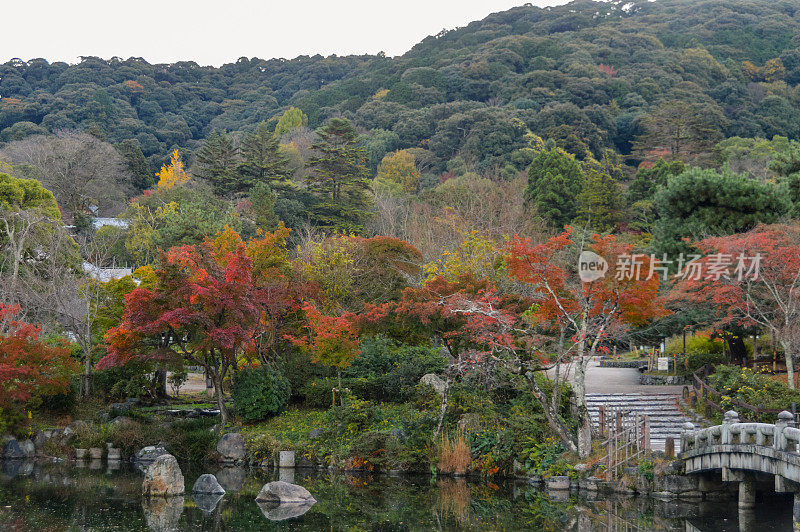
point(339, 179)
point(263, 162)
point(554, 182)
point(217, 163)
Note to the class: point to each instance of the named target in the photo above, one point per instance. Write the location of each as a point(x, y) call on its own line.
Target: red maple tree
point(588, 313)
point(751, 279)
point(210, 305)
point(29, 368)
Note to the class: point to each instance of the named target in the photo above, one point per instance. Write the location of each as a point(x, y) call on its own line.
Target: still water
point(56, 497)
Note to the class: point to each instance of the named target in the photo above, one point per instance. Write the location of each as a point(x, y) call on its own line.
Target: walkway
point(619, 389)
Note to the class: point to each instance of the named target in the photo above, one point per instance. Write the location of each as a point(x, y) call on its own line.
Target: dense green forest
point(587, 75)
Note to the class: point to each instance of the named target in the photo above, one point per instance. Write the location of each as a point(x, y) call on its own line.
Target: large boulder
point(284, 493)
point(231, 447)
point(435, 382)
point(207, 484)
point(149, 454)
point(163, 477)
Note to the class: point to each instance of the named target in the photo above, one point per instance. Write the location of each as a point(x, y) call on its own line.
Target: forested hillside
point(587, 75)
point(328, 231)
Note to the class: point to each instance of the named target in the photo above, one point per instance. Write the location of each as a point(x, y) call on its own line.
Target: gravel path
point(619, 380)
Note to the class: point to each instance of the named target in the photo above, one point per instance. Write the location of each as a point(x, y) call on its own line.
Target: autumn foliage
point(751, 279)
point(211, 303)
point(29, 368)
point(172, 175)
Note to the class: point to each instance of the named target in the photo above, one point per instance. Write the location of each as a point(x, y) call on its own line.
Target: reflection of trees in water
point(453, 500)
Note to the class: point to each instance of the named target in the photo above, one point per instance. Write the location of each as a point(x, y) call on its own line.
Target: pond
point(95, 497)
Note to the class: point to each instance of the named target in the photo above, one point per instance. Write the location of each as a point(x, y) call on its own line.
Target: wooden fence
point(710, 396)
point(627, 437)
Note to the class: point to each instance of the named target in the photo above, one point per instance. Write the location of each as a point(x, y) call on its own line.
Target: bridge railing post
point(785, 419)
point(730, 418)
point(687, 437)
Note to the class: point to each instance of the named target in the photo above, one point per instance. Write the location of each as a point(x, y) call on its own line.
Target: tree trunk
point(339, 385)
point(584, 420)
point(160, 383)
point(442, 408)
point(579, 390)
point(788, 355)
point(551, 414)
point(86, 387)
point(223, 411)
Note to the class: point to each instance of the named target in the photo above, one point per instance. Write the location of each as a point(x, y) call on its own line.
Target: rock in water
point(207, 484)
point(231, 447)
point(149, 454)
point(231, 478)
point(12, 450)
point(163, 477)
point(285, 493)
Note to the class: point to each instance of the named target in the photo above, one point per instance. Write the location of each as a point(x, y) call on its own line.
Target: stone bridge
point(743, 452)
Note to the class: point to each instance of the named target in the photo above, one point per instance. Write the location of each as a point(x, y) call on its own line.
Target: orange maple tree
point(590, 312)
point(29, 368)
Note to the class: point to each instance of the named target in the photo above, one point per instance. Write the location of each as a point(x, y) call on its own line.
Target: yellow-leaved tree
point(172, 175)
point(398, 172)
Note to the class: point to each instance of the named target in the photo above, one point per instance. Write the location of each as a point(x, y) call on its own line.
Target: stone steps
point(666, 419)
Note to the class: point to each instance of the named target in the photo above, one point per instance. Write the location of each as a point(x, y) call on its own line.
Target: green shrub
point(355, 415)
point(743, 384)
point(61, 402)
point(386, 371)
point(695, 361)
point(297, 367)
point(545, 458)
point(318, 393)
point(192, 439)
point(129, 436)
point(130, 380)
point(260, 392)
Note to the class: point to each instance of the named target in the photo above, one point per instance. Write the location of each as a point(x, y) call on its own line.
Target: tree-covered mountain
point(589, 75)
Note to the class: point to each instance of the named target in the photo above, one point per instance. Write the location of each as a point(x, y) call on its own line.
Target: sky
point(213, 33)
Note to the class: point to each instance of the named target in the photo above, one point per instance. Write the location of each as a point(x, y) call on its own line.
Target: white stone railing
point(782, 436)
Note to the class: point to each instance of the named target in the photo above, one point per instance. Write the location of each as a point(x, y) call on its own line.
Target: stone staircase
point(666, 419)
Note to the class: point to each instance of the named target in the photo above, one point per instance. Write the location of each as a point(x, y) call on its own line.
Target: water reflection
point(163, 514)
point(63, 497)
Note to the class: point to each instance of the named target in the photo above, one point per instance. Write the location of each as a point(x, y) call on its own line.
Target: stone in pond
point(150, 453)
point(231, 447)
point(207, 502)
point(163, 477)
point(284, 493)
point(208, 484)
point(163, 514)
point(231, 478)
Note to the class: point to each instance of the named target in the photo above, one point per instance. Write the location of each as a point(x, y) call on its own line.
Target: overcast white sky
point(213, 33)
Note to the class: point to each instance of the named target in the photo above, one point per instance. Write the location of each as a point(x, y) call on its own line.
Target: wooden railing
point(781, 436)
point(712, 397)
point(627, 437)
